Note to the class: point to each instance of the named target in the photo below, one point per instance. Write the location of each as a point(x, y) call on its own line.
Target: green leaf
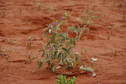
point(64, 80)
point(64, 36)
point(40, 63)
point(72, 41)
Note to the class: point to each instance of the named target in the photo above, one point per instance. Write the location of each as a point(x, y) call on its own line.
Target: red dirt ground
point(21, 19)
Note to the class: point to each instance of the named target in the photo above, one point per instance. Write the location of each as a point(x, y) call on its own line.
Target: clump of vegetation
point(64, 80)
point(59, 49)
point(59, 53)
point(87, 18)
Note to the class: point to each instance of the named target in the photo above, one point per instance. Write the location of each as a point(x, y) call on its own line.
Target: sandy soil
point(21, 19)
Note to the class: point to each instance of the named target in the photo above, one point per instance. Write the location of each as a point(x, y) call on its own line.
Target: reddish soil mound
point(21, 19)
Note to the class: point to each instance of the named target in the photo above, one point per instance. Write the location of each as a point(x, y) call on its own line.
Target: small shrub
point(59, 49)
point(64, 80)
point(58, 52)
point(88, 18)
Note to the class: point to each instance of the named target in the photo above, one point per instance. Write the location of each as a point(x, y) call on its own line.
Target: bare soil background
point(21, 19)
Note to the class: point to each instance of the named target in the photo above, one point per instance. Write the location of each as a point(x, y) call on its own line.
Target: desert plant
point(88, 18)
point(64, 80)
point(59, 49)
point(58, 52)
point(29, 42)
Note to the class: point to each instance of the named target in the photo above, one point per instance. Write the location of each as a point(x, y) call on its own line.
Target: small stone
point(94, 74)
point(94, 59)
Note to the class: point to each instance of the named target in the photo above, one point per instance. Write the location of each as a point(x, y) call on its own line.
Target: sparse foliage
point(58, 52)
point(64, 80)
point(59, 49)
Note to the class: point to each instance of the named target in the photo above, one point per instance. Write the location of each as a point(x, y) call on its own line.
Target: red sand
point(20, 19)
